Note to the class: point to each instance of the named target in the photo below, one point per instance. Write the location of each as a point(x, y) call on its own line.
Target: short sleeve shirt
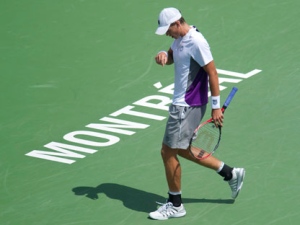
point(190, 54)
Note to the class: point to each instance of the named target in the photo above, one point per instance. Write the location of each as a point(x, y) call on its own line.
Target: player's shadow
point(135, 199)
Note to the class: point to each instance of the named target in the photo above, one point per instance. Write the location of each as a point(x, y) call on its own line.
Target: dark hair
point(181, 20)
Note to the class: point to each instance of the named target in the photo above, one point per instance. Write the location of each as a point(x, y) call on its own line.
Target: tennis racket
point(207, 136)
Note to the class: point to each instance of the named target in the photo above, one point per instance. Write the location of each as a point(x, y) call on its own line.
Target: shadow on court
point(135, 199)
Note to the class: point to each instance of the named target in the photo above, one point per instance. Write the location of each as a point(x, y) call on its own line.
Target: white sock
point(174, 193)
point(221, 167)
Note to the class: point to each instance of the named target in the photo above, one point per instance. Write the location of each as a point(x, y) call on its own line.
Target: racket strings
point(207, 137)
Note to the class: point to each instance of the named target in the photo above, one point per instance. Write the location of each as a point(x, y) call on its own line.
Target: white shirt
point(190, 54)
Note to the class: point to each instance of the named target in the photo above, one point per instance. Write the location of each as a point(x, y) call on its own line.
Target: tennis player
point(194, 72)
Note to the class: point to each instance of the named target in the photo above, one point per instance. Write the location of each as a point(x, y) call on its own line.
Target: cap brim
point(162, 30)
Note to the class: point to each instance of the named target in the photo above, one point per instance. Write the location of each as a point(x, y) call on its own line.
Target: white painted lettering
point(110, 139)
point(240, 75)
point(64, 153)
point(162, 104)
point(168, 90)
point(127, 110)
point(118, 124)
point(61, 151)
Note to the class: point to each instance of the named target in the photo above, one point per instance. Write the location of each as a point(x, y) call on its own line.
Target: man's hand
point(161, 58)
point(217, 116)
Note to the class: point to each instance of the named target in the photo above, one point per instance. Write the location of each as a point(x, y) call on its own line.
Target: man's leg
point(234, 176)
point(210, 162)
point(172, 168)
point(173, 207)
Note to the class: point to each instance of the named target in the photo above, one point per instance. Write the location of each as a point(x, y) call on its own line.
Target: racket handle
point(230, 97)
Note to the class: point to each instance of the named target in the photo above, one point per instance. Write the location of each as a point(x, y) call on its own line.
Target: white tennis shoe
point(166, 211)
point(236, 181)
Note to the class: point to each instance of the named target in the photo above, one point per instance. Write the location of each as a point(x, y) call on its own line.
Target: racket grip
point(230, 97)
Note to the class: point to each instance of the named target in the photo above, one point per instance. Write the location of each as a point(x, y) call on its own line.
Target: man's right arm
point(164, 58)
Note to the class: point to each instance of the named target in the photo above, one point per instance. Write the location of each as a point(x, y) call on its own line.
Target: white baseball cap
point(165, 18)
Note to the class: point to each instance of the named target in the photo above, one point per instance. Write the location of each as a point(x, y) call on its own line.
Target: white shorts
point(181, 125)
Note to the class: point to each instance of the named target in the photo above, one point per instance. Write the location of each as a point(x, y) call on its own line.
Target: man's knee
point(167, 152)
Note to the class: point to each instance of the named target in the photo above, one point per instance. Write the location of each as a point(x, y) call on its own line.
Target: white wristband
point(165, 53)
point(215, 102)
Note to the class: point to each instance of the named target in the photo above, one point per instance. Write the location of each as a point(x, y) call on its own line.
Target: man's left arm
point(216, 113)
